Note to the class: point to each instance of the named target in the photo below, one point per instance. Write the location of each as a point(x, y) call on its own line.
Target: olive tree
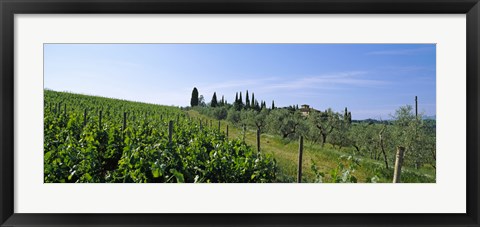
point(288, 124)
point(255, 119)
point(416, 136)
point(325, 122)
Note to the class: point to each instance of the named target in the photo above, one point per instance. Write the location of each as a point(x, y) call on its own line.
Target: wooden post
point(300, 151)
point(227, 131)
point(398, 164)
point(219, 126)
point(416, 108)
point(85, 117)
point(124, 121)
point(244, 132)
point(170, 131)
point(100, 119)
point(258, 140)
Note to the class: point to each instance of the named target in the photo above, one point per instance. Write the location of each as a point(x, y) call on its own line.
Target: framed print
point(240, 113)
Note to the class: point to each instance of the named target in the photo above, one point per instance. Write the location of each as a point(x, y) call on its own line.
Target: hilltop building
point(305, 110)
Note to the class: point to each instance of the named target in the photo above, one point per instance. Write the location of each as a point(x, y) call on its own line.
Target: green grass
point(326, 158)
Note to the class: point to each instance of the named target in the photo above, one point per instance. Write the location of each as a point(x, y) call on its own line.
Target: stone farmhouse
point(305, 110)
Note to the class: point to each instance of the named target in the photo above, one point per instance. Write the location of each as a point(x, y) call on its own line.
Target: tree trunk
point(324, 138)
point(383, 149)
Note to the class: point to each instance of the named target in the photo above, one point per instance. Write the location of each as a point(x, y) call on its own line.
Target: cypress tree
point(273, 104)
point(247, 101)
point(194, 99)
point(240, 101)
point(236, 104)
point(253, 101)
point(214, 102)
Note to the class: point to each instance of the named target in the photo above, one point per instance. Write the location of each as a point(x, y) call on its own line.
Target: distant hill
point(372, 121)
point(433, 117)
point(375, 121)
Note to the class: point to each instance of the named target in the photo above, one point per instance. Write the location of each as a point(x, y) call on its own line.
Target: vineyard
point(94, 139)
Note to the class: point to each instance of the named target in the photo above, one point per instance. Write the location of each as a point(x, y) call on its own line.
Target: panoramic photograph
point(239, 113)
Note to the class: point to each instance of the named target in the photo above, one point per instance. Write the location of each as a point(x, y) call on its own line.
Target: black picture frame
point(9, 8)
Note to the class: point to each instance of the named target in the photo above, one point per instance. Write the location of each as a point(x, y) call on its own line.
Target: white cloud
point(290, 88)
point(328, 81)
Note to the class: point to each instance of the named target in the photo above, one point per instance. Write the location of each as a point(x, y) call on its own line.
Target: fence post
point(100, 119)
point(170, 131)
point(124, 121)
point(227, 131)
point(244, 133)
point(258, 140)
point(300, 151)
point(85, 117)
point(218, 126)
point(398, 164)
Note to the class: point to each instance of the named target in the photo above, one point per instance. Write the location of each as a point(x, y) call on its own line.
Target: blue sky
point(372, 80)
